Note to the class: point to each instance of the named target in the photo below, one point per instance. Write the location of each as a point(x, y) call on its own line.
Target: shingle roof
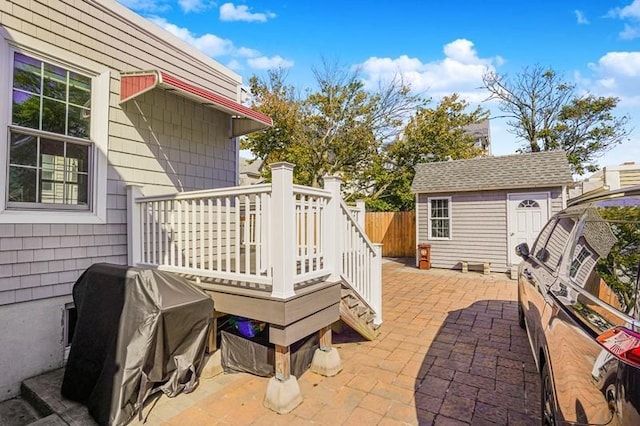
point(531, 170)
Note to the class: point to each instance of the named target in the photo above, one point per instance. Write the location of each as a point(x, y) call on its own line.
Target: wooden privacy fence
point(395, 230)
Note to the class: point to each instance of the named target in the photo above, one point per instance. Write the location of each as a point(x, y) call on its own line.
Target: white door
point(528, 213)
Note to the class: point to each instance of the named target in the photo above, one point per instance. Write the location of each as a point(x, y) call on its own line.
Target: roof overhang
point(245, 120)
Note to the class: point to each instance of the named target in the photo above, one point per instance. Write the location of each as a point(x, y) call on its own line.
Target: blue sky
point(440, 47)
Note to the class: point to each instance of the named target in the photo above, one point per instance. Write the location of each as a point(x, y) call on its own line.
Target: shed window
point(529, 204)
point(440, 218)
point(578, 261)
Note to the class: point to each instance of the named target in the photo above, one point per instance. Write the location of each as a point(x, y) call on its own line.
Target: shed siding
point(479, 228)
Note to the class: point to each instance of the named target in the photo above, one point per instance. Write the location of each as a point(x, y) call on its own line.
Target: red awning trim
point(245, 121)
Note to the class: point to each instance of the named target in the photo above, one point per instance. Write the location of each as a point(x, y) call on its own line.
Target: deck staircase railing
point(276, 236)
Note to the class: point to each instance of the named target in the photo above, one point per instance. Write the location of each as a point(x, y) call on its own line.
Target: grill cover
point(138, 331)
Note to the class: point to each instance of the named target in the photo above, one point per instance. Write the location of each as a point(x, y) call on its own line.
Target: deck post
point(283, 233)
point(134, 225)
point(333, 233)
point(283, 392)
point(376, 283)
point(362, 211)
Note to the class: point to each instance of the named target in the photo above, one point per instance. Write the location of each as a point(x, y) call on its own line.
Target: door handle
point(527, 273)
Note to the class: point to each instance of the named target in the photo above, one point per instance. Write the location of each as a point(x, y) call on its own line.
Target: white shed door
point(528, 213)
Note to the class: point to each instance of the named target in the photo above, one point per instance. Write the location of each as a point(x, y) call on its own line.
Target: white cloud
point(631, 13)
point(209, 44)
point(217, 47)
point(582, 20)
point(248, 53)
point(231, 12)
point(630, 32)
point(265, 63)
point(460, 71)
point(615, 74)
point(235, 65)
point(188, 6)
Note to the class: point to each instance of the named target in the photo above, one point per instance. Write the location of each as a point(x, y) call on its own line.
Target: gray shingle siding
point(161, 141)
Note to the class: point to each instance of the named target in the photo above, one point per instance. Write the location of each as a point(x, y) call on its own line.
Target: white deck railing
point(277, 236)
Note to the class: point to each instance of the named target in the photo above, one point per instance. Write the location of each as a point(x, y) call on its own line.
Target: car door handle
point(527, 273)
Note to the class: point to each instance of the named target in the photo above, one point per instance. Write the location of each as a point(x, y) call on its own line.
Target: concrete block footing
point(326, 362)
point(212, 365)
point(283, 395)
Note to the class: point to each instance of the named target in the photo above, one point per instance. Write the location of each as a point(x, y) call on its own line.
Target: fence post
point(376, 283)
point(332, 228)
point(283, 230)
point(362, 210)
point(134, 225)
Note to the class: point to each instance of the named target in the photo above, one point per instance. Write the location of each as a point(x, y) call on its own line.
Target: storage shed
point(474, 212)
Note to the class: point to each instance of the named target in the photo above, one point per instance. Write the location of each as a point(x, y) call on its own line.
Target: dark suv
point(578, 300)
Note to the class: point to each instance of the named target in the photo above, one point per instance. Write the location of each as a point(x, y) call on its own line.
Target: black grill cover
point(138, 331)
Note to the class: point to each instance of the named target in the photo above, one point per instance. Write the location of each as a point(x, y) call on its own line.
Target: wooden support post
point(325, 338)
point(283, 363)
point(213, 335)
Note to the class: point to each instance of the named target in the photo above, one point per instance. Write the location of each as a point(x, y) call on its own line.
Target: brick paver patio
point(450, 352)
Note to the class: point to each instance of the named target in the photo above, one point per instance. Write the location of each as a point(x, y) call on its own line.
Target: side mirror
point(522, 250)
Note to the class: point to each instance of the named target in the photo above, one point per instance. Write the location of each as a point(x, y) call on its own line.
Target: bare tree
point(545, 112)
point(532, 100)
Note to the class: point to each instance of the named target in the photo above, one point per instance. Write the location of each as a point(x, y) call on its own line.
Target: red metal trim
point(135, 83)
point(205, 95)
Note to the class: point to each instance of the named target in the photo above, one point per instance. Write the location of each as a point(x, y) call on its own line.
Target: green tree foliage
point(545, 112)
point(620, 268)
point(337, 129)
point(586, 128)
point(432, 134)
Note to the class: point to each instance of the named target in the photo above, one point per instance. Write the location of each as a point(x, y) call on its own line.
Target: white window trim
point(429, 235)
point(99, 131)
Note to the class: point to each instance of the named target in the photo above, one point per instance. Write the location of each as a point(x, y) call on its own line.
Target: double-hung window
point(54, 137)
point(49, 137)
point(439, 218)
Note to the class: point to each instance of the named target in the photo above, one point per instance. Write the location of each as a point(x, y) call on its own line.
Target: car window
point(605, 259)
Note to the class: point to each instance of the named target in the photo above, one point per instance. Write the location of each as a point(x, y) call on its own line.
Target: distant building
point(607, 179)
point(250, 171)
point(481, 133)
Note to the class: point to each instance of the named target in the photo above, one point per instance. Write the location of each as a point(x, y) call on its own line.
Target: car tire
point(547, 398)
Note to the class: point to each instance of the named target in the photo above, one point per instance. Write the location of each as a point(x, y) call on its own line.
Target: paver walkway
point(450, 352)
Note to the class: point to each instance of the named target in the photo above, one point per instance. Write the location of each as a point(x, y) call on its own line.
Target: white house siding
point(160, 141)
point(478, 228)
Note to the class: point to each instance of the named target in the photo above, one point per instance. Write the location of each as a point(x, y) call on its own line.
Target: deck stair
point(355, 313)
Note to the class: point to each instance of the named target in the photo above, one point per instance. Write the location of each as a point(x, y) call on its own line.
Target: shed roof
point(530, 170)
